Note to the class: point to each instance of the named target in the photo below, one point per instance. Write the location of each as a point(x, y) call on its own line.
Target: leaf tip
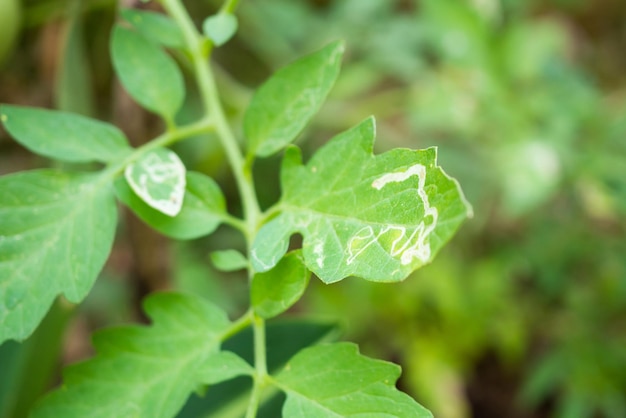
point(366, 133)
point(338, 49)
point(469, 210)
point(370, 122)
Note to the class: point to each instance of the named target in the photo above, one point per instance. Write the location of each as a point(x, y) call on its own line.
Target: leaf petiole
point(168, 138)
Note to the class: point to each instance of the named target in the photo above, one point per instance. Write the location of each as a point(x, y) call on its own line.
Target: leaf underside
point(334, 380)
point(147, 372)
point(56, 232)
point(376, 217)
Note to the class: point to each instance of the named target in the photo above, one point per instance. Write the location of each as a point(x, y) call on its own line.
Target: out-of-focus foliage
point(537, 288)
point(10, 24)
point(524, 314)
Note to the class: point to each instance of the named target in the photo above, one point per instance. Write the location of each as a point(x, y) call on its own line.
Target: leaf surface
point(223, 366)
point(376, 217)
point(334, 380)
point(276, 290)
point(202, 211)
point(56, 232)
point(158, 178)
point(220, 28)
point(282, 107)
point(144, 371)
point(229, 260)
point(155, 26)
point(149, 75)
point(64, 136)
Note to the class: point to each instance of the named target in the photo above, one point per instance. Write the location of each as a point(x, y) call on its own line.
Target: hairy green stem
point(168, 138)
point(239, 325)
point(260, 362)
point(229, 6)
point(200, 49)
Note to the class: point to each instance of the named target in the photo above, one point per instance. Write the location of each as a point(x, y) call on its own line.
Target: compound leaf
point(56, 232)
point(274, 291)
point(202, 211)
point(149, 75)
point(144, 371)
point(64, 136)
point(282, 107)
point(376, 217)
point(155, 26)
point(334, 380)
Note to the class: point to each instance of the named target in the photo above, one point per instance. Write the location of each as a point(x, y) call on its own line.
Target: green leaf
point(285, 337)
point(155, 26)
point(56, 232)
point(144, 371)
point(223, 366)
point(276, 290)
point(229, 260)
point(158, 178)
point(376, 217)
point(283, 106)
point(334, 380)
point(147, 72)
point(220, 28)
point(203, 208)
point(64, 136)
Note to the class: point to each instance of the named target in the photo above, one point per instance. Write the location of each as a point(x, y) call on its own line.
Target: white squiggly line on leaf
point(154, 170)
point(318, 250)
point(408, 248)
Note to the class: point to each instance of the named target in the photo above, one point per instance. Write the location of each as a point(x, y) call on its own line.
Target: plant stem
point(229, 6)
point(200, 50)
point(260, 363)
point(168, 138)
point(238, 325)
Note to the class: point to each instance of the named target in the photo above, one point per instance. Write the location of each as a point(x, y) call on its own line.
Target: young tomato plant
point(378, 217)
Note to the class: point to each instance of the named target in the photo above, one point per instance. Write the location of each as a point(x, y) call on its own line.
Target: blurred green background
point(522, 315)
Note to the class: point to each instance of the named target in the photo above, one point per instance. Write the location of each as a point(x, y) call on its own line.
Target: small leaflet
point(158, 178)
point(229, 260)
point(220, 28)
